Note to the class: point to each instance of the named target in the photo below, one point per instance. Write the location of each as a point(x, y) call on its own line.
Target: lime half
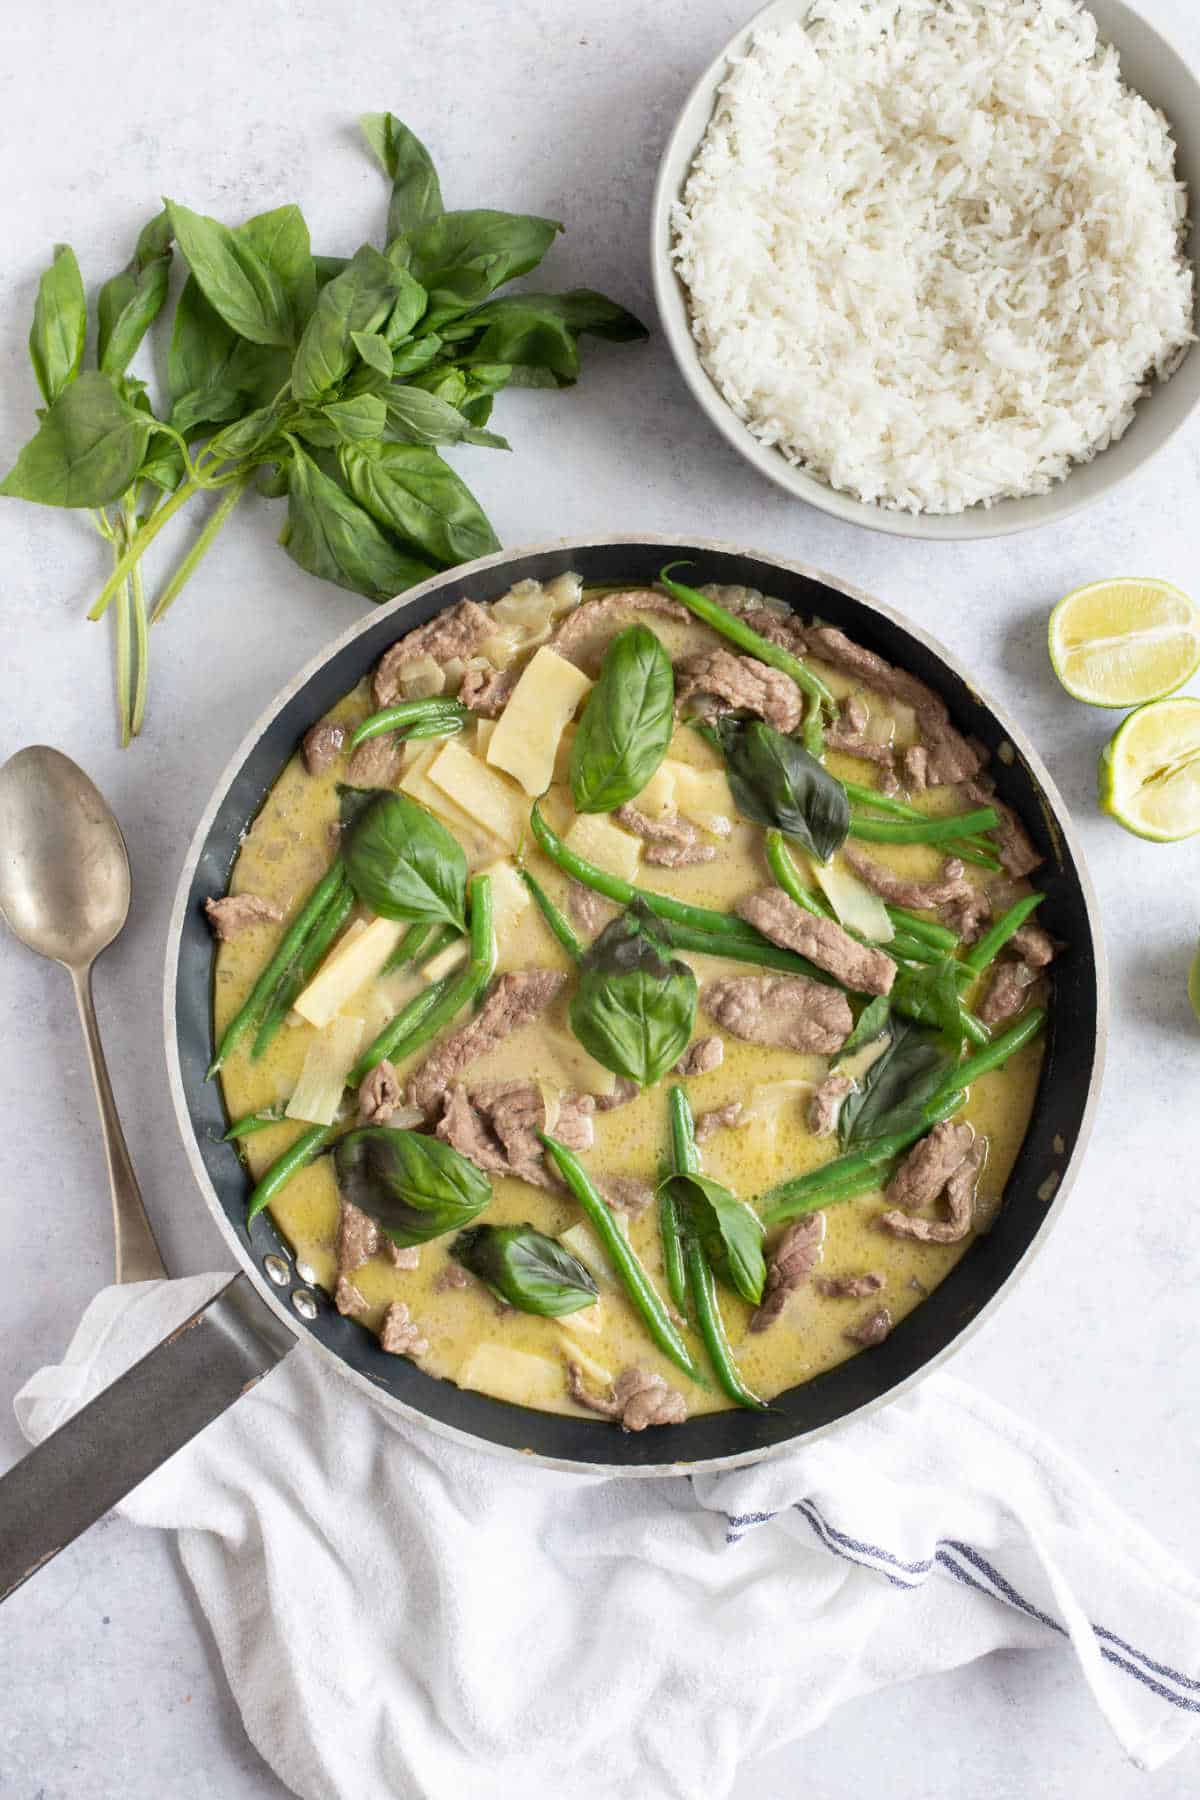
point(1122, 643)
point(1150, 771)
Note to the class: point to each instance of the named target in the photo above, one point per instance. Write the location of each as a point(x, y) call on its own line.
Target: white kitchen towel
point(398, 1616)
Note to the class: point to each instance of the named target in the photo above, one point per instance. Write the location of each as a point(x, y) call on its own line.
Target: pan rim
point(1062, 823)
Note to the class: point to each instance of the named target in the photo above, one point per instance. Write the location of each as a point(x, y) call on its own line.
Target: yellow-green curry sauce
point(286, 851)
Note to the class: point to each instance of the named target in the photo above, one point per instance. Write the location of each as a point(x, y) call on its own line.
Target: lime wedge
point(1150, 771)
point(1122, 643)
point(1194, 985)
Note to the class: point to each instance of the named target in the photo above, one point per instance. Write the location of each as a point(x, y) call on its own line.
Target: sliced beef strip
point(1013, 843)
point(377, 763)
point(701, 1057)
point(379, 1094)
point(1034, 946)
point(789, 1012)
point(488, 691)
point(900, 890)
point(1008, 993)
point(402, 1256)
point(637, 1398)
point(321, 746)
point(589, 910)
point(358, 1240)
point(400, 1335)
point(587, 632)
point(623, 1092)
point(959, 1194)
point(792, 1261)
point(850, 1287)
point(969, 914)
point(949, 757)
point(348, 1299)
point(452, 1276)
point(458, 632)
point(929, 1165)
point(496, 1124)
point(236, 913)
point(679, 856)
point(857, 966)
point(514, 1000)
point(826, 1104)
point(670, 829)
point(627, 1194)
point(848, 737)
point(871, 1329)
point(741, 684)
point(719, 1118)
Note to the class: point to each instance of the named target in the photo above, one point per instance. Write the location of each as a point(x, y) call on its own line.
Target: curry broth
point(286, 851)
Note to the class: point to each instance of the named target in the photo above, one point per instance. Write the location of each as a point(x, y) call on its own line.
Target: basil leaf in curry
point(776, 782)
point(635, 1006)
point(414, 1187)
point(871, 1024)
point(930, 995)
point(895, 1090)
point(627, 723)
point(402, 863)
point(731, 1231)
point(526, 1269)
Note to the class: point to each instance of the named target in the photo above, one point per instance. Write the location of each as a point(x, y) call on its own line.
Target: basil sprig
point(276, 353)
point(775, 782)
point(635, 1006)
point(526, 1269)
point(626, 725)
point(414, 1187)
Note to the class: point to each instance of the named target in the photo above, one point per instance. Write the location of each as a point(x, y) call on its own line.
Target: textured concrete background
point(110, 1685)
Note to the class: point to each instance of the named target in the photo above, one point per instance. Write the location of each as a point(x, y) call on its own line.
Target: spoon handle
point(138, 1257)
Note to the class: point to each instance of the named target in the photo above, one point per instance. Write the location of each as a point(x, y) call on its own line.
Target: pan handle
point(132, 1427)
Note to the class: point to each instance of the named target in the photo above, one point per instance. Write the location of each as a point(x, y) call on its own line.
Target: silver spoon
point(64, 892)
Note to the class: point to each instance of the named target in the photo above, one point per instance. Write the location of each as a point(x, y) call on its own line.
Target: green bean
point(306, 1148)
point(436, 728)
point(746, 638)
point(992, 942)
point(672, 1251)
point(702, 918)
point(636, 1281)
point(408, 713)
point(559, 924)
point(857, 1172)
point(701, 1282)
point(783, 867)
point(939, 937)
point(429, 1012)
point(924, 830)
point(912, 949)
point(249, 1123)
point(972, 849)
point(303, 966)
point(761, 954)
point(999, 1050)
point(296, 934)
point(411, 945)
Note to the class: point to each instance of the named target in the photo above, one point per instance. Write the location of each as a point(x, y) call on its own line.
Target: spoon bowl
point(64, 869)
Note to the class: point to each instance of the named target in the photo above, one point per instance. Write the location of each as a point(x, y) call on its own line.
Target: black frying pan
point(244, 1333)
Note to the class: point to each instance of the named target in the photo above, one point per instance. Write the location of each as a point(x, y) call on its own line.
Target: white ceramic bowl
point(1149, 64)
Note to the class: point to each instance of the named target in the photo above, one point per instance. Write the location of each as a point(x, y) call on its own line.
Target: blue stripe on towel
point(947, 1551)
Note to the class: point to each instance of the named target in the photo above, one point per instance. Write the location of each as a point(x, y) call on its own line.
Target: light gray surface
point(108, 1679)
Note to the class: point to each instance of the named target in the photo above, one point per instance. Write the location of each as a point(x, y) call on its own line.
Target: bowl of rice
point(927, 264)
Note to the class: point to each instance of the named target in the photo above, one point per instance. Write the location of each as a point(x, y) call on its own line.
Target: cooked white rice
point(934, 247)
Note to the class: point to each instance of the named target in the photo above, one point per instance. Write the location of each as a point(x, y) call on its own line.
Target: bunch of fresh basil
point(325, 380)
point(635, 1006)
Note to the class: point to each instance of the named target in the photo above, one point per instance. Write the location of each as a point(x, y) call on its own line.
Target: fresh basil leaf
point(409, 490)
point(416, 194)
point(403, 864)
point(86, 451)
point(635, 1006)
point(163, 465)
point(414, 1187)
point(127, 307)
point(357, 420)
point(731, 1230)
point(59, 328)
point(776, 782)
point(526, 1269)
point(415, 417)
point(871, 1024)
point(326, 267)
point(331, 536)
point(411, 301)
point(280, 237)
point(246, 435)
point(444, 383)
point(541, 331)
point(358, 300)
point(415, 355)
point(212, 373)
point(930, 995)
point(353, 802)
point(462, 257)
point(896, 1089)
point(374, 350)
point(272, 481)
point(235, 280)
point(627, 723)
